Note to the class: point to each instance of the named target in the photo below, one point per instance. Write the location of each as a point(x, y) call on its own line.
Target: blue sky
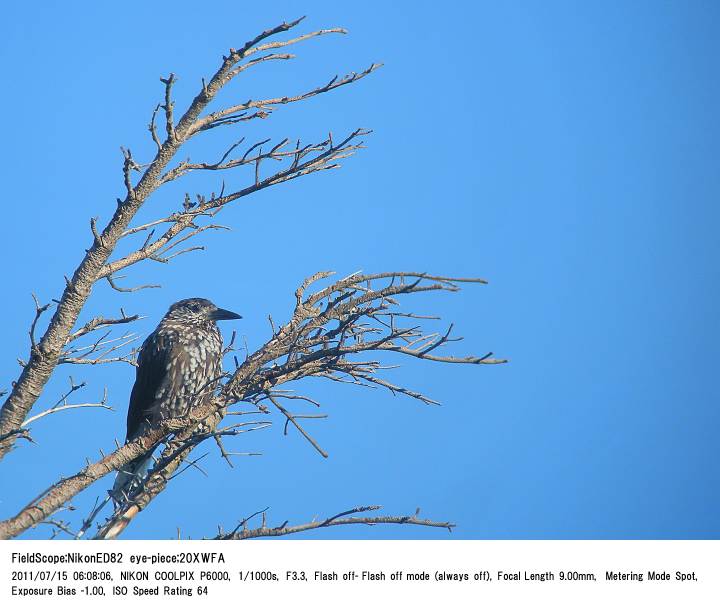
point(567, 152)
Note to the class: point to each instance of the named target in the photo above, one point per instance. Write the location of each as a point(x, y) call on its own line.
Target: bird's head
point(198, 311)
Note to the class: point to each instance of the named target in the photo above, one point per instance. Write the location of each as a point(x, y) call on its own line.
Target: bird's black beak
point(220, 314)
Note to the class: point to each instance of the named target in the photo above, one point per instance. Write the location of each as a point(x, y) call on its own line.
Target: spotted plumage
point(177, 366)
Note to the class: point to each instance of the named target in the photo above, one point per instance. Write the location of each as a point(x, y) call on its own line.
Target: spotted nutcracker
point(178, 361)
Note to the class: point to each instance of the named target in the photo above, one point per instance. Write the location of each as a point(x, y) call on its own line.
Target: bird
point(180, 359)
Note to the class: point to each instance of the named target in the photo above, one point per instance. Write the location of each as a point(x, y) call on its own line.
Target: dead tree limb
point(46, 352)
point(330, 334)
point(342, 519)
point(338, 332)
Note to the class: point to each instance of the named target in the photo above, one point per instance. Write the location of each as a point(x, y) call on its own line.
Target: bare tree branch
point(339, 332)
point(266, 105)
point(55, 409)
point(309, 348)
point(326, 329)
point(46, 352)
point(59, 406)
point(324, 155)
point(105, 349)
point(60, 525)
point(242, 532)
point(101, 322)
point(293, 419)
point(39, 310)
point(53, 498)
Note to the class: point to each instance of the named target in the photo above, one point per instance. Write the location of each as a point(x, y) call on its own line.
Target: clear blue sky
point(567, 152)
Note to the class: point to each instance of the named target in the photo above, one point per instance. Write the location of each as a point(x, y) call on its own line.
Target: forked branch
point(327, 332)
point(140, 182)
point(341, 519)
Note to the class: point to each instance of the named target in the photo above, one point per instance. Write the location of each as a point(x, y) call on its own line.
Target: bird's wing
point(151, 378)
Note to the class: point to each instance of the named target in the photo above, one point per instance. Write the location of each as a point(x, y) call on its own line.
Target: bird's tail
point(132, 474)
point(129, 477)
